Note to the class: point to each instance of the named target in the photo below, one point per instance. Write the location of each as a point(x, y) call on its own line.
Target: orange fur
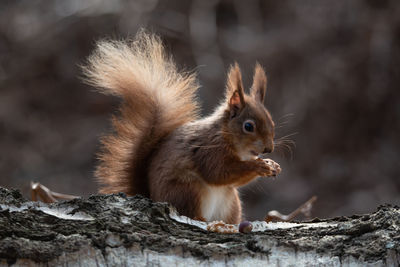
point(154, 94)
point(161, 149)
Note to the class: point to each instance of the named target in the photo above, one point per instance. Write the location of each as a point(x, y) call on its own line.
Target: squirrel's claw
point(268, 167)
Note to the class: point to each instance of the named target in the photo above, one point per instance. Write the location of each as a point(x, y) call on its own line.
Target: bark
point(115, 230)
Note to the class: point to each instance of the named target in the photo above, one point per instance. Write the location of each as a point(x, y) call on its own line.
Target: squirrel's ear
point(234, 90)
point(259, 86)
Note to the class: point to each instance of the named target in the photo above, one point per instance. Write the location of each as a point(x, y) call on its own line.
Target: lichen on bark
point(116, 229)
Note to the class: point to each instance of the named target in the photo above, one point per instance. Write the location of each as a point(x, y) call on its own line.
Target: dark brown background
point(333, 70)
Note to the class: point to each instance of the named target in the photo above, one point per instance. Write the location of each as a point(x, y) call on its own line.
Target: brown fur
point(161, 149)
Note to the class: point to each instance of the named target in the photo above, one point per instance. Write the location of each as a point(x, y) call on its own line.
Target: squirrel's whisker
point(283, 137)
point(285, 116)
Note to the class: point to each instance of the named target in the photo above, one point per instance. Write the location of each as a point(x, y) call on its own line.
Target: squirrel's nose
point(267, 150)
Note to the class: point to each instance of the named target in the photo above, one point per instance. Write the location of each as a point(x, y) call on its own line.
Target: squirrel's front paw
point(268, 167)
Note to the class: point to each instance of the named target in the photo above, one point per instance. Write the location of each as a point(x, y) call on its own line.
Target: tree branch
point(117, 230)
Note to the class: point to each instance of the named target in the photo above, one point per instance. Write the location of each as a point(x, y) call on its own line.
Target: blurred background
point(333, 87)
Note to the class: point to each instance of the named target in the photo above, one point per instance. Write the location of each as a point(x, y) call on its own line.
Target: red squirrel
point(162, 149)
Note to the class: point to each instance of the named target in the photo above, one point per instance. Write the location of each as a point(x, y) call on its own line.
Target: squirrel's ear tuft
point(234, 90)
point(259, 86)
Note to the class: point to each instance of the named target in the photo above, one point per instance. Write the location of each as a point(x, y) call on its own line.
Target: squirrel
point(161, 148)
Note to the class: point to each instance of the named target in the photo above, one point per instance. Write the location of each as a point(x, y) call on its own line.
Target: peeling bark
point(115, 230)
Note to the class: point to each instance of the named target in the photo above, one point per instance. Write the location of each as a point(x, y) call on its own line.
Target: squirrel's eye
point(248, 126)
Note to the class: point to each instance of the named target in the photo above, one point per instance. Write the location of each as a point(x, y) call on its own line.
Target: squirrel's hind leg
point(185, 197)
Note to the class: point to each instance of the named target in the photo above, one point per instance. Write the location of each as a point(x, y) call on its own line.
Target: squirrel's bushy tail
point(156, 100)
